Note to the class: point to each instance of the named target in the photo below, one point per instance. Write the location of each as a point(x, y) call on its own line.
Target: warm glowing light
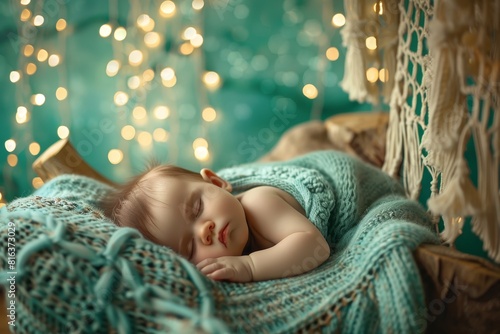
point(28, 50)
point(338, 20)
point(25, 2)
point(61, 24)
point(160, 135)
point(31, 68)
point(34, 148)
point(201, 153)
point(161, 112)
point(115, 156)
point(135, 58)
point(1, 196)
point(372, 74)
point(167, 9)
point(169, 83)
point(42, 55)
point(167, 73)
point(12, 160)
point(134, 82)
point(61, 93)
point(371, 43)
point(25, 14)
point(152, 39)
point(310, 91)
point(38, 99)
point(37, 182)
point(38, 20)
point(144, 138)
point(332, 53)
point(54, 60)
point(112, 68)
point(120, 34)
point(15, 76)
point(197, 40)
point(105, 30)
point(128, 132)
point(211, 80)
point(121, 98)
point(139, 112)
point(198, 4)
point(22, 115)
point(189, 33)
point(208, 114)
point(186, 49)
point(148, 75)
point(383, 75)
point(145, 22)
point(10, 145)
point(378, 7)
point(63, 132)
point(200, 142)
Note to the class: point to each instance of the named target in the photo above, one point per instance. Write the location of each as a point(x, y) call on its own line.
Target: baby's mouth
point(223, 235)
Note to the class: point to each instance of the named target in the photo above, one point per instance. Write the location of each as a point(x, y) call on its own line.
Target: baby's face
point(198, 219)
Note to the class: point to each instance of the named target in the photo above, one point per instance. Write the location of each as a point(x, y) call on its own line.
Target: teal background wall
point(264, 51)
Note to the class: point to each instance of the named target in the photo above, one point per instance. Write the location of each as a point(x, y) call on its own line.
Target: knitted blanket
point(74, 271)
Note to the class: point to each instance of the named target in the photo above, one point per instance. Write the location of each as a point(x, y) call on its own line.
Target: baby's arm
point(299, 246)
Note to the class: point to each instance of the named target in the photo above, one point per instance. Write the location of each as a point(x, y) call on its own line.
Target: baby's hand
point(232, 268)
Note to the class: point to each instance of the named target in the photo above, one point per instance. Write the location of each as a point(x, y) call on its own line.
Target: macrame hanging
point(443, 99)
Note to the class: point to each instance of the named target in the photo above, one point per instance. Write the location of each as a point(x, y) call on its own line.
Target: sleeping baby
point(252, 222)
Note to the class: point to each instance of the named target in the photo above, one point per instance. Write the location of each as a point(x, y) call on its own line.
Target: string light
point(42, 55)
point(115, 156)
point(38, 99)
point(28, 50)
point(37, 182)
point(12, 160)
point(144, 138)
point(120, 98)
point(310, 91)
point(128, 132)
point(161, 112)
point(200, 142)
point(120, 34)
point(383, 75)
point(372, 74)
point(197, 4)
point(145, 22)
point(38, 20)
point(135, 58)
point(15, 76)
point(25, 15)
point(112, 67)
point(61, 24)
point(208, 114)
point(169, 83)
point(201, 153)
point(186, 49)
point(189, 33)
point(139, 112)
point(21, 115)
point(133, 82)
point(211, 80)
point(167, 9)
point(54, 60)
point(338, 20)
point(197, 41)
point(30, 68)
point(148, 75)
point(167, 73)
point(378, 7)
point(34, 148)
point(63, 132)
point(25, 2)
point(61, 93)
point(160, 135)
point(105, 30)
point(332, 53)
point(371, 43)
point(152, 39)
point(10, 145)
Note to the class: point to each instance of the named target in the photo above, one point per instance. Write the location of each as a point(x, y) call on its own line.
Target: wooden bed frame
point(462, 291)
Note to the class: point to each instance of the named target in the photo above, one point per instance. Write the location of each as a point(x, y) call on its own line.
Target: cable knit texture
point(77, 272)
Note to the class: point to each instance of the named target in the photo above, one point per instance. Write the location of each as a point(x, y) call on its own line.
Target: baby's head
point(194, 214)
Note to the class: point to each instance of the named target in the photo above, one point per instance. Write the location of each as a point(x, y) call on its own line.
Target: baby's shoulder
point(263, 197)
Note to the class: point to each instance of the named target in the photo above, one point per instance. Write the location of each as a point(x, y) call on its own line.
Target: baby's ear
point(210, 176)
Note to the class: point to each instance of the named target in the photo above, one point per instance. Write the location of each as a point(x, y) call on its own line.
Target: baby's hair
point(130, 204)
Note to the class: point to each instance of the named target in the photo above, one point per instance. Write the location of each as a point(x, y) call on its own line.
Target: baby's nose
point(206, 232)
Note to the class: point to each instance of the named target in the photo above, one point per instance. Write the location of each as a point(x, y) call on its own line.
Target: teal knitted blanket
point(75, 271)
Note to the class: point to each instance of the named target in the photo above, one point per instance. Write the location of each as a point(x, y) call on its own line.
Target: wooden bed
point(462, 291)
